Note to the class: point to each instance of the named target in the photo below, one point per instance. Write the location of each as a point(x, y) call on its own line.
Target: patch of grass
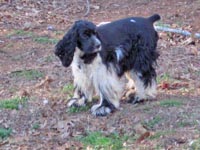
point(151, 123)
point(159, 134)
point(13, 89)
point(49, 58)
point(68, 88)
point(197, 72)
point(20, 33)
point(4, 133)
point(147, 109)
point(36, 126)
point(45, 40)
point(171, 103)
point(196, 145)
point(161, 24)
point(182, 124)
point(13, 103)
point(28, 74)
point(59, 32)
point(187, 123)
point(98, 141)
point(164, 77)
point(78, 109)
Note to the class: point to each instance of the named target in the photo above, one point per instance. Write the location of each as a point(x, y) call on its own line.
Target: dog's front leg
point(109, 87)
point(103, 108)
point(83, 91)
point(79, 99)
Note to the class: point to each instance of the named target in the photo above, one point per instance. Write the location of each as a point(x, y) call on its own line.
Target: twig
point(88, 8)
point(179, 31)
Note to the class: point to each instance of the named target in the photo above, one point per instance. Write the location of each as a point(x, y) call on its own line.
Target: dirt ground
point(28, 32)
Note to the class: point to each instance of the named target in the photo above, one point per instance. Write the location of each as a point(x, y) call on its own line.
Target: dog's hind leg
point(130, 84)
point(144, 88)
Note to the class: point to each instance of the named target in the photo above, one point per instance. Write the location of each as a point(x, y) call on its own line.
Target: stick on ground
point(179, 31)
point(88, 8)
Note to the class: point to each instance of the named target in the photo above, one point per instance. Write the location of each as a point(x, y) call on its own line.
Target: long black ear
point(65, 48)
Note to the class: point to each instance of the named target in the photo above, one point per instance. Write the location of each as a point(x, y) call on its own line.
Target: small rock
point(95, 7)
point(51, 28)
point(27, 25)
point(20, 106)
point(45, 102)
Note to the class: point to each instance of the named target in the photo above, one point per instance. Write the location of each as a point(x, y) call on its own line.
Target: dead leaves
point(44, 83)
point(65, 128)
point(142, 132)
point(170, 86)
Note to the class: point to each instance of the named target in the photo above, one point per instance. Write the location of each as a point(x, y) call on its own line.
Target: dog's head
point(82, 35)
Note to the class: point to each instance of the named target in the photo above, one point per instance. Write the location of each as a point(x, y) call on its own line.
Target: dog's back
point(122, 28)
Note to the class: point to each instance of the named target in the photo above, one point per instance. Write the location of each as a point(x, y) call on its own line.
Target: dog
point(100, 56)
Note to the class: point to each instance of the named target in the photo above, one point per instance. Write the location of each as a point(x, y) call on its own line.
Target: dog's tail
point(154, 18)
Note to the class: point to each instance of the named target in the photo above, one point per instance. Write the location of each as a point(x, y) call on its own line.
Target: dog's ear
point(65, 48)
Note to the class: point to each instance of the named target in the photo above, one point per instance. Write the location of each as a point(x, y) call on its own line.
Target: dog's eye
point(87, 33)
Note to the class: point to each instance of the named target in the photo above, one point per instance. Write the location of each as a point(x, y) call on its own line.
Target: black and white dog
point(101, 55)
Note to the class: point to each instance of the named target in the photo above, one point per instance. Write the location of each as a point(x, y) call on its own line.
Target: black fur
point(88, 58)
point(137, 39)
point(80, 35)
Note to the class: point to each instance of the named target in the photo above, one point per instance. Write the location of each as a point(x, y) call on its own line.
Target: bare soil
point(23, 23)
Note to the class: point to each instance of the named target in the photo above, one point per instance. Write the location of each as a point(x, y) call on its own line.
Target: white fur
point(107, 82)
point(119, 54)
point(132, 20)
point(102, 23)
point(143, 92)
point(96, 77)
point(130, 84)
point(82, 76)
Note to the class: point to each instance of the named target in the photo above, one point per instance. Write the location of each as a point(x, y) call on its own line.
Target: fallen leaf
point(143, 136)
point(164, 85)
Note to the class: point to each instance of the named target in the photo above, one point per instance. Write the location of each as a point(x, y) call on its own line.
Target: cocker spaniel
point(101, 55)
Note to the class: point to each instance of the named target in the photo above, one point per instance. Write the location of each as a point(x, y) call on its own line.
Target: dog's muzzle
point(97, 46)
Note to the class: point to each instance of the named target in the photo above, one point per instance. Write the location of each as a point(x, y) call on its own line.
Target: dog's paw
point(136, 99)
point(76, 102)
point(97, 110)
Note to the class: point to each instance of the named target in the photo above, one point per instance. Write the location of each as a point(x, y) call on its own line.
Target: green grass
point(28, 74)
point(36, 126)
point(159, 134)
point(151, 123)
point(4, 133)
point(20, 33)
point(182, 124)
point(45, 40)
point(68, 88)
point(161, 24)
point(164, 77)
point(12, 103)
point(49, 58)
point(60, 32)
point(171, 103)
point(196, 145)
point(98, 141)
point(78, 109)
point(36, 38)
